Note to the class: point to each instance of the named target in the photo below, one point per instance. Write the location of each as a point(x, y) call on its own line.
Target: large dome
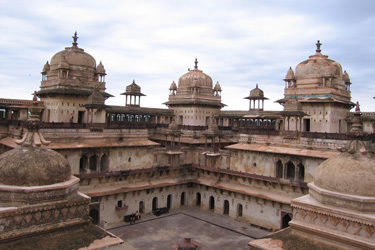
point(318, 66)
point(74, 56)
point(195, 78)
point(350, 173)
point(31, 166)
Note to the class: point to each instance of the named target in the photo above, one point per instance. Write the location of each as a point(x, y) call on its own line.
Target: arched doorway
point(226, 207)
point(154, 203)
point(301, 172)
point(104, 163)
point(212, 203)
point(198, 200)
point(279, 169)
point(82, 164)
point(285, 220)
point(169, 201)
point(182, 202)
point(93, 162)
point(141, 207)
point(239, 210)
point(94, 214)
point(290, 170)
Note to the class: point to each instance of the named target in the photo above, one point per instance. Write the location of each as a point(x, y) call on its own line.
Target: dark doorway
point(212, 203)
point(198, 200)
point(290, 171)
point(169, 201)
point(307, 124)
point(154, 203)
point(226, 207)
point(141, 207)
point(239, 210)
point(83, 164)
point(182, 203)
point(80, 116)
point(94, 214)
point(279, 169)
point(301, 172)
point(285, 220)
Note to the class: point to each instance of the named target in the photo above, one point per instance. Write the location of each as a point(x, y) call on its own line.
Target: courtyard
point(209, 230)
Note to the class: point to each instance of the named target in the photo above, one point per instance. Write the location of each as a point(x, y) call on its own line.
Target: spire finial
point(75, 38)
point(257, 85)
point(318, 44)
point(196, 63)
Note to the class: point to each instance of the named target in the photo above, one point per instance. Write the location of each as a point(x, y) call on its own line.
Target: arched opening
point(198, 199)
point(93, 162)
point(239, 210)
point(154, 203)
point(301, 172)
point(169, 201)
point(285, 221)
point(212, 203)
point(182, 202)
point(226, 207)
point(141, 207)
point(94, 214)
point(279, 169)
point(82, 164)
point(290, 170)
point(104, 163)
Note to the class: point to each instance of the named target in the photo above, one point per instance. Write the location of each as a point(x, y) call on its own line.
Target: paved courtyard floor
point(209, 230)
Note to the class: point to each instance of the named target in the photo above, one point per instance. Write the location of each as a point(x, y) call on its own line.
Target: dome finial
point(75, 38)
point(257, 85)
point(318, 44)
point(196, 63)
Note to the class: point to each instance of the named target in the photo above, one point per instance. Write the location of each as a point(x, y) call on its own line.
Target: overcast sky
point(237, 43)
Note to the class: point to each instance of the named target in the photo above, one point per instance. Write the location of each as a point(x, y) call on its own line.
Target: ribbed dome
point(350, 173)
point(100, 69)
point(257, 92)
point(195, 78)
point(173, 86)
point(31, 166)
point(73, 56)
point(318, 66)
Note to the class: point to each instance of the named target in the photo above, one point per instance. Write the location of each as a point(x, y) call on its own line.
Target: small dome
point(173, 86)
point(257, 92)
point(133, 88)
point(346, 77)
point(46, 68)
point(31, 166)
point(290, 75)
point(352, 172)
point(318, 66)
point(217, 87)
point(74, 56)
point(195, 78)
point(100, 69)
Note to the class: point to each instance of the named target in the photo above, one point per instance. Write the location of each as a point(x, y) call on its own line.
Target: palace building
point(248, 165)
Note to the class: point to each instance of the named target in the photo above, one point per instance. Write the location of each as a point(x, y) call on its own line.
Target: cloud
point(238, 43)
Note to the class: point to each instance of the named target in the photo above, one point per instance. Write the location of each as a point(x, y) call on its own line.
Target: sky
point(239, 43)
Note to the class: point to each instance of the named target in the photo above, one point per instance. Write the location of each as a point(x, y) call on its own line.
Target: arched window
point(182, 203)
point(104, 163)
point(239, 210)
point(279, 169)
point(82, 164)
point(212, 203)
point(93, 162)
point(290, 171)
point(198, 199)
point(226, 207)
point(301, 172)
point(169, 201)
